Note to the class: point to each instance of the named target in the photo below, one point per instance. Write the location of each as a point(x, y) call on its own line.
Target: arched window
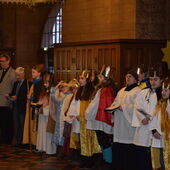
point(57, 28)
point(53, 28)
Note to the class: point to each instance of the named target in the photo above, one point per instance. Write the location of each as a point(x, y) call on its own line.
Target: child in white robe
point(44, 139)
point(145, 105)
point(160, 127)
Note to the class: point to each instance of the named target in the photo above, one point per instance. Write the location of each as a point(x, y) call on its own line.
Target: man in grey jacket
point(7, 78)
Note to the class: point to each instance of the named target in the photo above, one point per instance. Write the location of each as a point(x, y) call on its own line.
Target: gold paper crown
point(138, 70)
point(85, 74)
point(105, 71)
point(166, 84)
point(73, 83)
point(141, 69)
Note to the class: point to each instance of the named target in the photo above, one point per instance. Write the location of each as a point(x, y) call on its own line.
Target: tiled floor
point(15, 158)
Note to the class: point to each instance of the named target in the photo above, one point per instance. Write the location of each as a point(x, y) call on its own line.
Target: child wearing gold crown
point(160, 127)
point(145, 105)
point(123, 148)
point(98, 119)
point(88, 139)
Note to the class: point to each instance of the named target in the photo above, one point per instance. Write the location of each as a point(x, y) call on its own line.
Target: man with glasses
point(7, 78)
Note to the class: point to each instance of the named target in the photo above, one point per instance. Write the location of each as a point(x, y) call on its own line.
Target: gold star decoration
point(166, 52)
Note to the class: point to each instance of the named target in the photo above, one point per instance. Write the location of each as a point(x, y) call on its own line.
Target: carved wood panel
point(71, 59)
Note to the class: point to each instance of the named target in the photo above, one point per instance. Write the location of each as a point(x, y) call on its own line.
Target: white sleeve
point(137, 116)
point(128, 108)
point(91, 111)
point(73, 110)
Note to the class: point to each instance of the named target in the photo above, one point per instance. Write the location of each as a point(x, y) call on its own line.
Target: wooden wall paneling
point(126, 58)
point(57, 59)
point(90, 58)
point(156, 55)
point(84, 58)
point(139, 55)
point(63, 59)
point(126, 61)
point(134, 59)
point(68, 59)
point(115, 63)
point(107, 56)
point(95, 59)
point(120, 54)
point(77, 60)
point(100, 58)
point(57, 77)
point(149, 58)
point(78, 73)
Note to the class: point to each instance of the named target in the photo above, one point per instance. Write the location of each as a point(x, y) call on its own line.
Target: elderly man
point(7, 78)
point(19, 98)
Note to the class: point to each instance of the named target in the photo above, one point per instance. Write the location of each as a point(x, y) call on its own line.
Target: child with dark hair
point(160, 127)
point(44, 139)
point(88, 140)
point(145, 105)
point(94, 78)
point(98, 119)
point(123, 105)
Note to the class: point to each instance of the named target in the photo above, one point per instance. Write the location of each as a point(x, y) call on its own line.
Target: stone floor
point(16, 158)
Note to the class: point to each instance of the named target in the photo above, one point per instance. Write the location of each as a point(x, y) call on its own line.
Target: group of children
point(129, 128)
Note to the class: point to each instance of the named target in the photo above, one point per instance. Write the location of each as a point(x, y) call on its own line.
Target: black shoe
point(86, 162)
point(106, 166)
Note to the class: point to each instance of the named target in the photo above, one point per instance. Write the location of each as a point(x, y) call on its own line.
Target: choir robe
point(73, 111)
point(91, 113)
point(123, 149)
point(88, 139)
point(123, 130)
point(155, 124)
point(146, 101)
point(65, 127)
point(64, 108)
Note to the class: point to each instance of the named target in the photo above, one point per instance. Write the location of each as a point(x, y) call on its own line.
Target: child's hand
point(157, 135)
point(145, 121)
point(59, 84)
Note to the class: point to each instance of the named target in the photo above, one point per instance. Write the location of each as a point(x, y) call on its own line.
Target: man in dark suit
point(7, 78)
point(19, 98)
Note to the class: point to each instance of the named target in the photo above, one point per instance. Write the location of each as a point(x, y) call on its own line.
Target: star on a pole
point(166, 52)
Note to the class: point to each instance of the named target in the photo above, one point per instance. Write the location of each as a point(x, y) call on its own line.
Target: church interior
point(69, 36)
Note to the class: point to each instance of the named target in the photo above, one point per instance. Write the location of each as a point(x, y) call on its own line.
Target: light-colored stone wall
point(86, 20)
